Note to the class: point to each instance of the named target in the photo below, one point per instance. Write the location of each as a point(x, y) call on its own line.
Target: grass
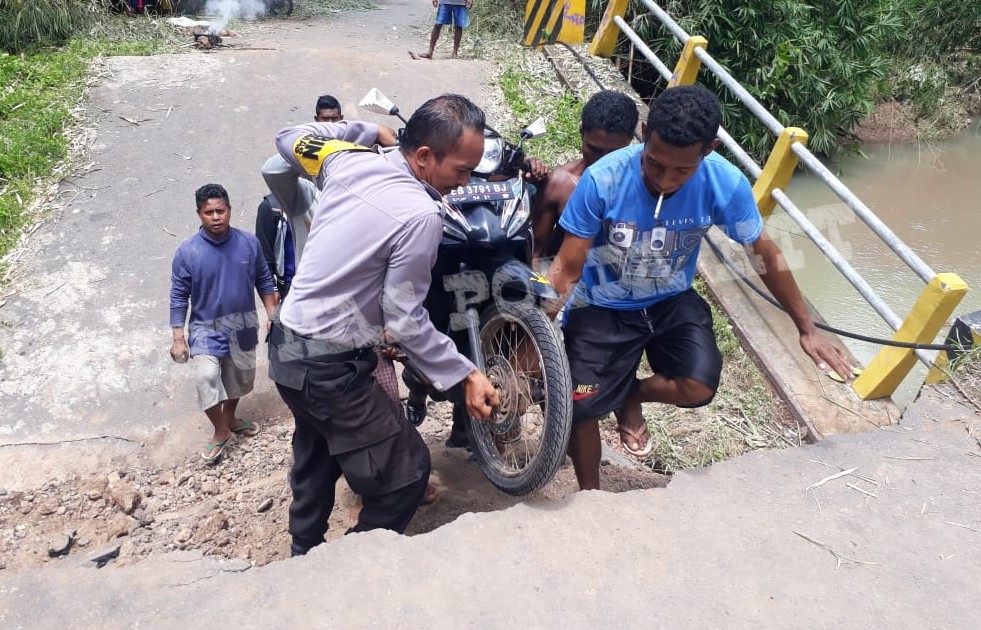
point(39, 91)
point(965, 377)
point(313, 8)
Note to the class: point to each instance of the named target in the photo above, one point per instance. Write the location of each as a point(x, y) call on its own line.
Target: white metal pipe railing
point(846, 269)
point(881, 230)
point(642, 47)
point(747, 99)
point(667, 20)
point(811, 161)
point(730, 143)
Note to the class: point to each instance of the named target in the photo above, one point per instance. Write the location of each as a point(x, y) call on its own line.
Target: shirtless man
point(608, 122)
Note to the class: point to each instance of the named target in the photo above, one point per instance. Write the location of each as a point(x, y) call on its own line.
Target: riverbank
point(896, 122)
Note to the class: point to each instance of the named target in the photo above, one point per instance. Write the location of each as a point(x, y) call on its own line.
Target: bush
point(25, 23)
point(813, 64)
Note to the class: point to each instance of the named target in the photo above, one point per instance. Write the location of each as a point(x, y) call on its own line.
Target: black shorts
point(604, 348)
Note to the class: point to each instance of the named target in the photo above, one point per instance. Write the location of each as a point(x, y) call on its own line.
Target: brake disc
point(505, 423)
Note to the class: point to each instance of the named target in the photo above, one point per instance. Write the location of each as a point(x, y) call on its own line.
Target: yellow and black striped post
point(550, 21)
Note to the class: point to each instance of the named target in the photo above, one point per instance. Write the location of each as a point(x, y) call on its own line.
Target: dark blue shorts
point(456, 14)
point(605, 346)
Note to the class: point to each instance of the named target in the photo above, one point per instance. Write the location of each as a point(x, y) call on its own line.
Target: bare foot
point(420, 55)
point(455, 56)
point(431, 495)
point(354, 511)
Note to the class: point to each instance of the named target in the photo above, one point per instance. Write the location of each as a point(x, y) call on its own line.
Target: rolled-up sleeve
point(406, 319)
point(300, 145)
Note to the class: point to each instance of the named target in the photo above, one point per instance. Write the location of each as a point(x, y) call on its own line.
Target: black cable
point(838, 331)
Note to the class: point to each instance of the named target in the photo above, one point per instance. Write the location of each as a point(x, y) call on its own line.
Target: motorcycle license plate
point(485, 191)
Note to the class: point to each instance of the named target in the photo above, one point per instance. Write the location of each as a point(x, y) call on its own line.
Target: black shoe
point(299, 549)
point(415, 414)
point(458, 437)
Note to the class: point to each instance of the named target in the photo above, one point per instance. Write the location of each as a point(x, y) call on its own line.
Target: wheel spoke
point(514, 360)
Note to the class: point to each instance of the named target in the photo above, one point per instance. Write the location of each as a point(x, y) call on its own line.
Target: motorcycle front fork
point(473, 338)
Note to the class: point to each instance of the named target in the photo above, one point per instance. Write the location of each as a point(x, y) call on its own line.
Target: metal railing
point(943, 291)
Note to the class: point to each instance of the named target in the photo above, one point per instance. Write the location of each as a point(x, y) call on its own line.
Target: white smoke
point(227, 10)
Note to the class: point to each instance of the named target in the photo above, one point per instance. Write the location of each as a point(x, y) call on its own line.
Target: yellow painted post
point(935, 305)
point(604, 42)
point(778, 170)
point(686, 70)
point(573, 29)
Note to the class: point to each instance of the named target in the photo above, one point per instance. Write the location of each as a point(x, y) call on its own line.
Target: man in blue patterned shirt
point(633, 228)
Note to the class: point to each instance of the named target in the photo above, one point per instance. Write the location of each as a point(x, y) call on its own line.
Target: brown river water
point(929, 195)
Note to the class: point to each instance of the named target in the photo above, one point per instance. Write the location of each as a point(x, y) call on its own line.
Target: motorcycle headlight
point(493, 154)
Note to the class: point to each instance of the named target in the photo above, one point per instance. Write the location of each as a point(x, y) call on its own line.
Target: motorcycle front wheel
point(280, 7)
point(523, 444)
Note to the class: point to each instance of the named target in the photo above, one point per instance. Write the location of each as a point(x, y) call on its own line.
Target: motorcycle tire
point(280, 7)
point(536, 400)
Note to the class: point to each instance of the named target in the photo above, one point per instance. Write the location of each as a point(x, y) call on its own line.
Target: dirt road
point(99, 432)
point(85, 335)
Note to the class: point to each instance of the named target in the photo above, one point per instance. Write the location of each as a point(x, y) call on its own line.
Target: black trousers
point(346, 424)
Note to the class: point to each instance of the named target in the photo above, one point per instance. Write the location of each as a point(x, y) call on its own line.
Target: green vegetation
point(965, 378)
point(822, 65)
point(522, 94)
point(311, 8)
point(42, 83)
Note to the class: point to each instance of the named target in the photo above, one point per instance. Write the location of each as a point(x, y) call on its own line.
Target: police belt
point(295, 346)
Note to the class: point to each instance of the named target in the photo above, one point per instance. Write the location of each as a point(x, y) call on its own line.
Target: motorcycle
point(485, 296)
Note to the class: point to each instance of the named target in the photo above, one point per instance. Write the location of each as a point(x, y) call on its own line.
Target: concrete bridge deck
point(756, 542)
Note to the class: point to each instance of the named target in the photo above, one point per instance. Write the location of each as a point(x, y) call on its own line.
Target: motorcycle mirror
point(375, 101)
point(535, 129)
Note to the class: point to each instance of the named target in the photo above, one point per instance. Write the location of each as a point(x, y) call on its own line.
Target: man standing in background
point(455, 12)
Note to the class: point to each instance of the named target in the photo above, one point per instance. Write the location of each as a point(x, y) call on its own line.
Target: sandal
point(246, 429)
point(210, 456)
point(637, 436)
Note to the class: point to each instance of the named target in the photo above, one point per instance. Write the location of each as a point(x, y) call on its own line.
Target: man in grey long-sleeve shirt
point(361, 281)
point(215, 273)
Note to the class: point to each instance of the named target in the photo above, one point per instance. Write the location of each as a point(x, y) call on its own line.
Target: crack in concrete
point(69, 441)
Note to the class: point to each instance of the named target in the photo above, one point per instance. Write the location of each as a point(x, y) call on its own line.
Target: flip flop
point(834, 375)
point(247, 429)
point(207, 457)
point(646, 449)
